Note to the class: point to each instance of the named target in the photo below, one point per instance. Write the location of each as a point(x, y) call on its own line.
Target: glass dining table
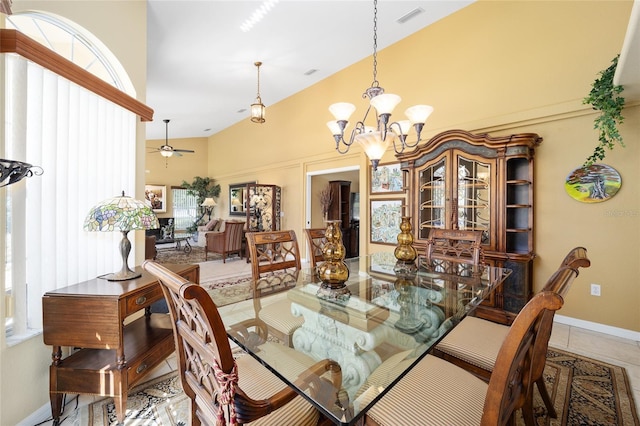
point(377, 327)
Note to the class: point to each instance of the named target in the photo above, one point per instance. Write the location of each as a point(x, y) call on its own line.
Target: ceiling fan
point(167, 150)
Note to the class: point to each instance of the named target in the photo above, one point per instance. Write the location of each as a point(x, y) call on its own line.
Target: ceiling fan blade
point(184, 150)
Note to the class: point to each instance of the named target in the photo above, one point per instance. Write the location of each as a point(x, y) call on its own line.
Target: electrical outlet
point(595, 289)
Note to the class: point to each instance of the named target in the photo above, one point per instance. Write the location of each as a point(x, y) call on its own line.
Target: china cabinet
point(341, 209)
point(264, 207)
point(460, 180)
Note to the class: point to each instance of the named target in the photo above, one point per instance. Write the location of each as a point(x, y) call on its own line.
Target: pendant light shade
point(258, 108)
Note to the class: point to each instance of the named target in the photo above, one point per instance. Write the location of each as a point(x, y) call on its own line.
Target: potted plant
point(605, 97)
point(201, 188)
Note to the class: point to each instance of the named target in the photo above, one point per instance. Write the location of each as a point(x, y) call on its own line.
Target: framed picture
point(238, 198)
point(387, 179)
point(593, 184)
point(386, 215)
point(156, 197)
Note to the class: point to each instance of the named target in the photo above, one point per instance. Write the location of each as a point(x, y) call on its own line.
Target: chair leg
point(542, 388)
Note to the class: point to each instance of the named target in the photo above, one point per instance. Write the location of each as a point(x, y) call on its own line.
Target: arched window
point(74, 43)
point(86, 146)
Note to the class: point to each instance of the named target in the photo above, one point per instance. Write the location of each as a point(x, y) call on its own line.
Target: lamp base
point(119, 276)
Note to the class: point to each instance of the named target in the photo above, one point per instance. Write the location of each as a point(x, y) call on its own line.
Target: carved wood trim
point(12, 41)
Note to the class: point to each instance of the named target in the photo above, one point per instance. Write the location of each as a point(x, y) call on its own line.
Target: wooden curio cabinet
point(459, 180)
point(264, 207)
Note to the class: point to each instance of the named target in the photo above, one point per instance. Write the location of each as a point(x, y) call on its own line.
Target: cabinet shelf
point(518, 206)
point(518, 230)
point(518, 182)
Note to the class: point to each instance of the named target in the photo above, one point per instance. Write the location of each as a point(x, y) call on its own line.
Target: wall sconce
point(15, 171)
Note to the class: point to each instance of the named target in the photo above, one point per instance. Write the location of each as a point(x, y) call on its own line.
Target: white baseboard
point(600, 328)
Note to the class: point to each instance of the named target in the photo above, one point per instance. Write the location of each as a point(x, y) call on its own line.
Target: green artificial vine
point(605, 97)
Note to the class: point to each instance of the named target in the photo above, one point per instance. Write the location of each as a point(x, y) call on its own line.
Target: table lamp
point(208, 205)
point(121, 214)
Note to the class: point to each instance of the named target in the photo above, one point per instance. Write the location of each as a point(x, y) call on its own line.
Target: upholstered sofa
point(214, 225)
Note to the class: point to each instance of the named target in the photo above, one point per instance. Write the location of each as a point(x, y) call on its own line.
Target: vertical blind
point(86, 147)
point(184, 208)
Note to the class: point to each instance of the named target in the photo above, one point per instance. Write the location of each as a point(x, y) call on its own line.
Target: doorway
point(317, 180)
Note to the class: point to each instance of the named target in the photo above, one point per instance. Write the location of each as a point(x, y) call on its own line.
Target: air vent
point(311, 71)
point(415, 12)
point(242, 110)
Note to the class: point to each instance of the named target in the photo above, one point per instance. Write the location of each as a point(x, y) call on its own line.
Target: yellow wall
point(25, 389)
point(497, 67)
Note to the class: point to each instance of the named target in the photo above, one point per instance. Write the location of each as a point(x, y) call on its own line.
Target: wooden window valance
point(12, 41)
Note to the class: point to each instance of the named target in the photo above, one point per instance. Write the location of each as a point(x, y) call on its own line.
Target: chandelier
point(376, 140)
point(257, 108)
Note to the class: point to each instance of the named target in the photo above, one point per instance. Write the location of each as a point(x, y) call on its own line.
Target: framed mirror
point(238, 198)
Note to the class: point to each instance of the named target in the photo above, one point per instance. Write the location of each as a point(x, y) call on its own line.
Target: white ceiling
point(201, 73)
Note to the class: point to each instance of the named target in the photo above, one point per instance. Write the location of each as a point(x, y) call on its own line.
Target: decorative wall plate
point(593, 184)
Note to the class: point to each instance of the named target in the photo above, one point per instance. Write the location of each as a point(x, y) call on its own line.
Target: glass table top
point(380, 324)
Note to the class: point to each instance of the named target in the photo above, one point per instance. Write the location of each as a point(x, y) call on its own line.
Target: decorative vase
point(333, 272)
point(404, 252)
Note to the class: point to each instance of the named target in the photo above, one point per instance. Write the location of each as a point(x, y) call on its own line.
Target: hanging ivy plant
point(605, 97)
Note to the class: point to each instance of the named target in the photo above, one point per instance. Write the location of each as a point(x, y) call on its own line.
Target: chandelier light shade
point(376, 140)
point(258, 108)
point(122, 214)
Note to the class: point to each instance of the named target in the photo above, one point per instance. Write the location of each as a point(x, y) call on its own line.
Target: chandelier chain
point(258, 66)
point(375, 44)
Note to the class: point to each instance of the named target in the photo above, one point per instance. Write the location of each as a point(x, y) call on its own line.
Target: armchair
point(226, 242)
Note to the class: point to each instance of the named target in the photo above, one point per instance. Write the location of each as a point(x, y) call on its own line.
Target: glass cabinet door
point(458, 196)
point(432, 198)
point(473, 196)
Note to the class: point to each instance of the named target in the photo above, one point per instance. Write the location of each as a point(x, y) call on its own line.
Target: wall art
point(593, 184)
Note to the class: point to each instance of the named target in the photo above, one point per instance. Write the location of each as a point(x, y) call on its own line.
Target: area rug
point(585, 392)
point(167, 253)
point(229, 290)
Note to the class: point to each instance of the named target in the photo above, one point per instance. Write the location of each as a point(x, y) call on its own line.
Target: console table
point(113, 357)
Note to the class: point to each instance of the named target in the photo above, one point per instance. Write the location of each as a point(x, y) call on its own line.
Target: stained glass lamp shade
point(121, 214)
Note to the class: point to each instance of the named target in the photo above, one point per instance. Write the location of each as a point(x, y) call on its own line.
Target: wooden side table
point(113, 357)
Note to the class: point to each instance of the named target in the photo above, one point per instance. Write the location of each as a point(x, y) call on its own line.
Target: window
point(86, 147)
point(185, 208)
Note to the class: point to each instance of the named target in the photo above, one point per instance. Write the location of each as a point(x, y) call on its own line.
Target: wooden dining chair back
point(275, 266)
point(226, 242)
point(443, 393)
point(462, 246)
point(475, 342)
point(315, 243)
point(208, 372)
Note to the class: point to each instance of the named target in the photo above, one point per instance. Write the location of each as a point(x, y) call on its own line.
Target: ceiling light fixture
point(376, 140)
point(257, 108)
point(258, 14)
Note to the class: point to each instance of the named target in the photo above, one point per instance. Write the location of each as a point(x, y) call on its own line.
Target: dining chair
point(438, 392)
point(225, 242)
point(462, 246)
point(475, 343)
point(315, 242)
point(223, 388)
point(275, 266)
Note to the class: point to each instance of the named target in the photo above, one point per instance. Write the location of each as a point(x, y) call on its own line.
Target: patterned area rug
point(585, 392)
point(167, 253)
